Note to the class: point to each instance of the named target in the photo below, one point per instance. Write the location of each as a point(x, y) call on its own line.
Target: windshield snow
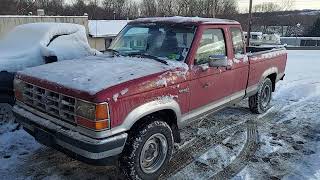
point(170, 42)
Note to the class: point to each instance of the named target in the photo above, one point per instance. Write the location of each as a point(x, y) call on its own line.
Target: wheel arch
point(272, 74)
point(169, 111)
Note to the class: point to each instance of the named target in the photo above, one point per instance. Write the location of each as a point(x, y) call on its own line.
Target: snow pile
point(106, 28)
point(26, 45)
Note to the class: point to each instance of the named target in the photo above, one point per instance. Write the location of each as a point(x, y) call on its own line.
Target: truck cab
point(159, 75)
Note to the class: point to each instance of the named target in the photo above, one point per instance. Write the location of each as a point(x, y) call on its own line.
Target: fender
point(254, 88)
point(269, 71)
point(144, 110)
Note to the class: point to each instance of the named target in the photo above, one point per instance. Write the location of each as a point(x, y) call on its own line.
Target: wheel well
point(273, 78)
point(166, 115)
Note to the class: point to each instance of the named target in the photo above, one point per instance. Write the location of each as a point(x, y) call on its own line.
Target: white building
point(104, 31)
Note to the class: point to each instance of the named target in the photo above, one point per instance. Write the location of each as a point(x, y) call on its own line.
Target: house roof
point(106, 28)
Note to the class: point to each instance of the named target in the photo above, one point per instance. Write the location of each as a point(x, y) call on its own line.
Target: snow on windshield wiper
point(149, 56)
point(113, 51)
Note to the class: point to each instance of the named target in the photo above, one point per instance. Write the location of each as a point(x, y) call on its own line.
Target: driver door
point(210, 84)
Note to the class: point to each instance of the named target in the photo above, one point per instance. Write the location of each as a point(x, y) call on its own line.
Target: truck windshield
point(161, 41)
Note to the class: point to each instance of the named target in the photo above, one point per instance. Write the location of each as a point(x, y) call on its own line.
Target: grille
point(52, 103)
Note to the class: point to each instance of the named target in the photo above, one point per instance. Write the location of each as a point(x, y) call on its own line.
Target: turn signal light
point(102, 112)
point(95, 125)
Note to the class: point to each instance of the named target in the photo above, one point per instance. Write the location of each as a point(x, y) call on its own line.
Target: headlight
point(85, 109)
point(93, 116)
point(18, 89)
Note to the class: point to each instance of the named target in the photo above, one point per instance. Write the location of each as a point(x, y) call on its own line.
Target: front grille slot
point(55, 104)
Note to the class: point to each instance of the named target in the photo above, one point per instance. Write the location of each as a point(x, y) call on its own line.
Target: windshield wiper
point(113, 51)
point(144, 55)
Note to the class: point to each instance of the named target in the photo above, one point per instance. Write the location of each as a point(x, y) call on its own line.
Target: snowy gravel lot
point(284, 143)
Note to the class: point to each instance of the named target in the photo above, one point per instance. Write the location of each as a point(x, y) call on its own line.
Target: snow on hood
point(27, 44)
point(95, 73)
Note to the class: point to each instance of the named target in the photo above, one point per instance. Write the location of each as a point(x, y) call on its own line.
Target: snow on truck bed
point(26, 45)
point(96, 73)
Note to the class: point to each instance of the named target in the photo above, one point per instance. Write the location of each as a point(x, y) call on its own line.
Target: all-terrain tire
point(259, 103)
point(130, 160)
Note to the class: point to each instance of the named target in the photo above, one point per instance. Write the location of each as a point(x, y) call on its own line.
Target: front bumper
point(81, 147)
point(6, 87)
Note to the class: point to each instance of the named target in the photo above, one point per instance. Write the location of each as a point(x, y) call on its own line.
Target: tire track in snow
point(244, 156)
point(186, 156)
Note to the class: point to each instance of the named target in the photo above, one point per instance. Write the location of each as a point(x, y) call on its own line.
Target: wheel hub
point(153, 153)
point(266, 96)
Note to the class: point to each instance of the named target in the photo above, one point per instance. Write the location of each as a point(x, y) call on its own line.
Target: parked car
point(130, 103)
point(35, 44)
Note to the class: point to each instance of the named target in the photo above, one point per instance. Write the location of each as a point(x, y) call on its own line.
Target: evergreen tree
point(315, 29)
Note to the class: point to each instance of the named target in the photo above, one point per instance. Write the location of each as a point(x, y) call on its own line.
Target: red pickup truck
point(159, 75)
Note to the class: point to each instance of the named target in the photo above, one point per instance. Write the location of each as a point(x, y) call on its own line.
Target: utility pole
point(249, 23)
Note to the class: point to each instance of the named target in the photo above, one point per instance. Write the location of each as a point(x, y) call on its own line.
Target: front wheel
point(260, 102)
point(147, 151)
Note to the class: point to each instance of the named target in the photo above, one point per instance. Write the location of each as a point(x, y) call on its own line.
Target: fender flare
point(267, 72)
point(149, 108)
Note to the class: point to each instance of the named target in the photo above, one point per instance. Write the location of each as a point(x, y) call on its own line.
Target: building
point(104, 31)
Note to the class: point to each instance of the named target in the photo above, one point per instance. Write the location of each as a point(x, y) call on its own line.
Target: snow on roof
point(180, 19)
point(27, 44)
point(106, 28)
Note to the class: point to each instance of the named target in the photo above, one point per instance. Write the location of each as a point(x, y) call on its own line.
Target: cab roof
point(184, 20)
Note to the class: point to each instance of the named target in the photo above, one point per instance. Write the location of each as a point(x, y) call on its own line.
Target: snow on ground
point(288, 147)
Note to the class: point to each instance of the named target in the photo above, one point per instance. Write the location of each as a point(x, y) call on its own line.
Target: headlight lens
point(18, 89)
point(93, 116)
point(86, 110)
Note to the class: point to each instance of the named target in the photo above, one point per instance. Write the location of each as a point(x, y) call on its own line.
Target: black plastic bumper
point(6, 87)
point(70, 145)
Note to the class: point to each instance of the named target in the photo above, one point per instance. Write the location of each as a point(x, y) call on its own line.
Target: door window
point(212, 43)
point(238, 44)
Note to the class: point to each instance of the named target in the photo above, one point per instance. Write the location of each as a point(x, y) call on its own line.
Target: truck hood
point(96, 73)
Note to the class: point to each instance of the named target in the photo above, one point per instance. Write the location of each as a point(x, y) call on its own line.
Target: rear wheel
point(6, 114)
point(147, 151)
point(260, 102)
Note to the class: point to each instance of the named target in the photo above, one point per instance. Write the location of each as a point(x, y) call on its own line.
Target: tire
point(138, 159)
point(260, 102)
point(6, 114)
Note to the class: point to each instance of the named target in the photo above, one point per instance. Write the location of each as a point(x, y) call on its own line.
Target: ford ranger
point(159, 75)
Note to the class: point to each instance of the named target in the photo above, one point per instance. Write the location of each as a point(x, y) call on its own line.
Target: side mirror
point(218, 61)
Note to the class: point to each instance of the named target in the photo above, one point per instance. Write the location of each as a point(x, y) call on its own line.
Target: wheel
point(6, 114)
point(260, 102)
point(147, 151)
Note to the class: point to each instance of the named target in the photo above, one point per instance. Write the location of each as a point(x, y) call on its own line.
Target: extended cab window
point(238, 45)
point(212, 43)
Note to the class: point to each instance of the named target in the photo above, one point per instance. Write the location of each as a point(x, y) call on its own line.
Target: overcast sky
point(298, 4)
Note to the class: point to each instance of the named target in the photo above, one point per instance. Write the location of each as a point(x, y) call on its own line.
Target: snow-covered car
point(35, 44)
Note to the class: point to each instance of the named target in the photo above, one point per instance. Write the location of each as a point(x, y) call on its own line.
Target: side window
point(212, 43)
point(238, 45)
